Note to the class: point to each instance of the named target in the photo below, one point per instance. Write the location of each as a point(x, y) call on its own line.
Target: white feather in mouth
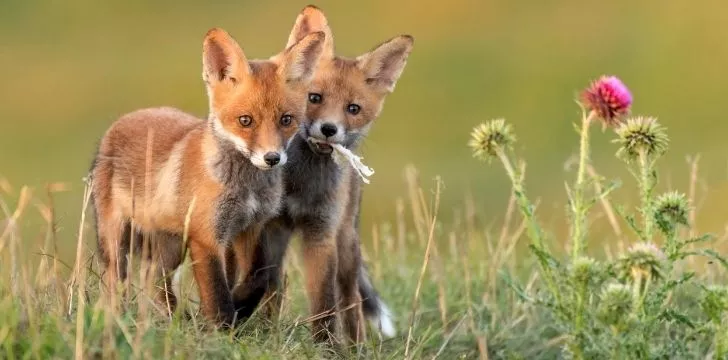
point(364, 171)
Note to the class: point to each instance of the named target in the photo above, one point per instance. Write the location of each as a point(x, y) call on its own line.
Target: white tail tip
point(176, 286)
point(384, 322)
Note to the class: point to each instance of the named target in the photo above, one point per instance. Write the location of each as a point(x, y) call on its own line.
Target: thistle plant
point(585, 271)
point(615, 305)
point(620, 319)
point(670, 212)
point(642, 140)
point(607, 99)
point(642, 264)
point(714, 305)
point(494, 139)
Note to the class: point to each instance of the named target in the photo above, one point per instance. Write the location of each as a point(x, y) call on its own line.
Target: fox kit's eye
point(353, 109)
point(245, 120)
point(286, 120)
point(315, 98)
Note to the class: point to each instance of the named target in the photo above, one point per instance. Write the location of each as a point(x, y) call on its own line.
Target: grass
point(461, 295)
point(458, 294)
point(472, 288)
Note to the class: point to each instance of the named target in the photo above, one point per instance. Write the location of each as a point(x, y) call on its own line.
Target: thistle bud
point(640, 135)
point(641, 259)
point(615, 304)
point(671, 210)
point(487, 138)
point(585, 270)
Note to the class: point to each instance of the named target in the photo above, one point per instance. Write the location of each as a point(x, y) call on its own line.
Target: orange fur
point(364, 81)
point(331, 249)
point(154, 165)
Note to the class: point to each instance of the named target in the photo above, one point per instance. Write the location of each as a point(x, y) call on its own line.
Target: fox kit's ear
point(383, 65)
point(299, 61)
point(222, 58)
point(312, 19)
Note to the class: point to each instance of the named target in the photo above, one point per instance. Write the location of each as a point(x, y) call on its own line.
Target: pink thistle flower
point(609, 98)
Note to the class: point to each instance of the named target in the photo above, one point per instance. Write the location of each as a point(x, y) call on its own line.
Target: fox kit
point(155, 167)
point(322, 198)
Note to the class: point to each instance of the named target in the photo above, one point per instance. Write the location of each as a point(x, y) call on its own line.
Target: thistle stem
point(580, 296)
point(577, 207)
point(579, 211)
point(637, 290)
point(720, 334)
point(534, 231)
point(523, 203)
point(617, 348)
point(672, 253)
point(645, 185)
point(644, 290)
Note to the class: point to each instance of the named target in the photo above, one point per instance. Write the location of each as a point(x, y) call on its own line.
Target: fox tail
point(375, 310)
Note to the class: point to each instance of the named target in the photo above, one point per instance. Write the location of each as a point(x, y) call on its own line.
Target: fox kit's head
point(257, 106)
point(346, 95)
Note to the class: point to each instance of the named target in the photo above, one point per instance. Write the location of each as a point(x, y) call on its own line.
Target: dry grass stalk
point(415, 300)
point(79, 277)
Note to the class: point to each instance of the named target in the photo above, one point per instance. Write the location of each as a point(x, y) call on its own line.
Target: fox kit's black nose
point(328, 129)
point(272, 158)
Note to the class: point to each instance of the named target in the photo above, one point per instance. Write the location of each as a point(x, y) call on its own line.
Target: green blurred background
point(69, 68)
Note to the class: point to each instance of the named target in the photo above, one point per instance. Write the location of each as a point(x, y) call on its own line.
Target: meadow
point(460, 290)
point(476, 259)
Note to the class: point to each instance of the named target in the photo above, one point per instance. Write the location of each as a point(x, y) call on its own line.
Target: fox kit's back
point(140, 158)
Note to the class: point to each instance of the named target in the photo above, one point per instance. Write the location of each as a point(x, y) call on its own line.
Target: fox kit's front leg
point(321, 263)
point(221, 260)
point(215, 299)
point(272, 246)
point(238, 223)
point(259, 269)
point(241, 256)
point(348, 274)
point(259, 257)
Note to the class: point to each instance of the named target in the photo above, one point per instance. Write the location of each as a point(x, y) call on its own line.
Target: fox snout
point(268, 159)
point(328, 131)
point(272, 158)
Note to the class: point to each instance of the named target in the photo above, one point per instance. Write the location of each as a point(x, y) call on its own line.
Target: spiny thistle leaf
point(517, 288)
point(676, 316)
point(714, 302)
point(630, 220)
point(702, 238)
point(613, 185)
point(713, 255)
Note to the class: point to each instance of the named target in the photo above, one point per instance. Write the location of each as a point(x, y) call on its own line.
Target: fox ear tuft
point(222, 58)
point(299, 61)
point(312, 19)
point(384, 65)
